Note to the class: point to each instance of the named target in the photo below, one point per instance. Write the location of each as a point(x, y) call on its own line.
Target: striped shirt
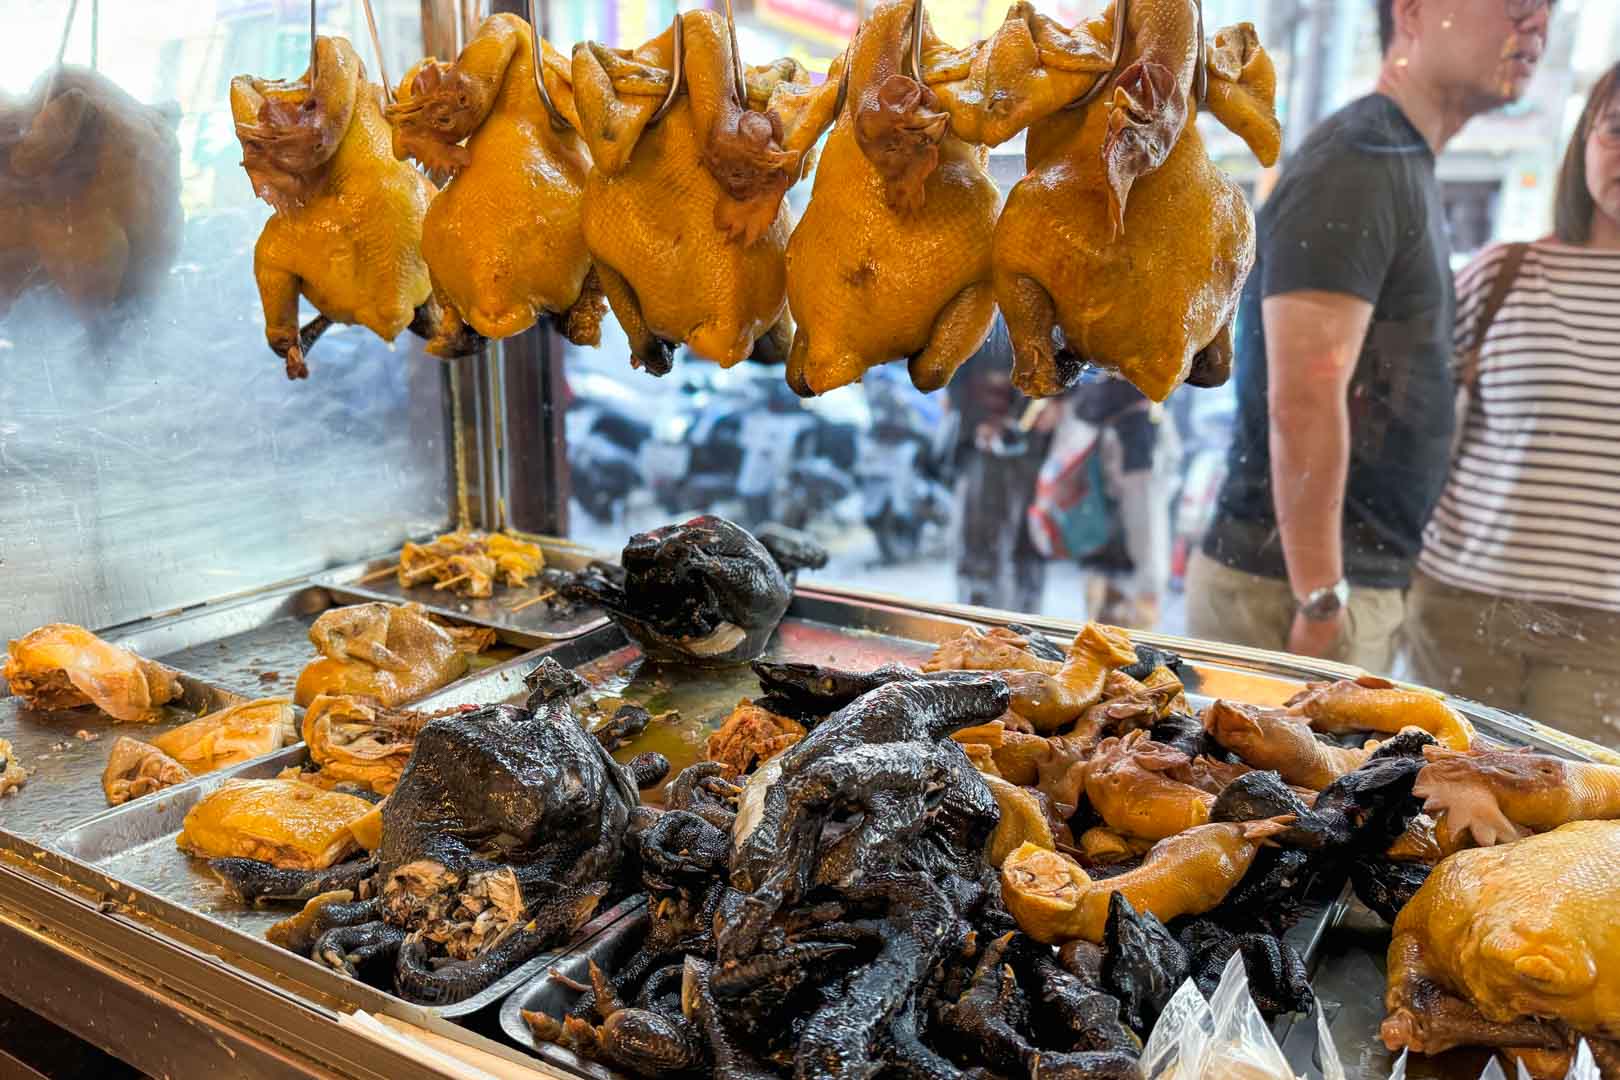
point(1531, 510)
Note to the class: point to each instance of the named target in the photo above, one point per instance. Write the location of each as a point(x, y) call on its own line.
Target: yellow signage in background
point(635, 19)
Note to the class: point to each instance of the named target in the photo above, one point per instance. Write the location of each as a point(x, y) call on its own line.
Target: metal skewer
point(915, 60)
point(736, 57)
point(677, 71)
point(376, 45)
point(558, 121)
point(311, 48)
point(61, 51)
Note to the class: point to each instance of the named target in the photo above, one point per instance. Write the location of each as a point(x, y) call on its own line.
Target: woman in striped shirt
point(1516, 601)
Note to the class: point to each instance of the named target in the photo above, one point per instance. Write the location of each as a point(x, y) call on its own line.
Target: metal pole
point(376, 45)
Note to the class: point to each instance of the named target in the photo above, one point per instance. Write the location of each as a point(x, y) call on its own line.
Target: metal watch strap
point(1326, 602)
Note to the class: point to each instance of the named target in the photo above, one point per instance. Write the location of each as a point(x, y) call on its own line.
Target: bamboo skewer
point(377, 575)
point(531, 601)
point(447, 582)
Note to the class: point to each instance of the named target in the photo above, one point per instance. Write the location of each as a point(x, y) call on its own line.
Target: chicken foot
point(1498, 796)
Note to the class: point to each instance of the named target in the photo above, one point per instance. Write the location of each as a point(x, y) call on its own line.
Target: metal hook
point(61, 51)
point(916, 41)
point(1201, 75)
point(677, 72)
point(376, 45)
point(736, 58)
point(1117, 49)
point(311, 48)
point(558, 121)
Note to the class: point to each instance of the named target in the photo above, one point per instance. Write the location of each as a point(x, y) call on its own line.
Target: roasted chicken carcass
point(391, 652)
point(62, 666)
point(230, 736)
point(285, 823)
point(502, 240)
point(751, 736)
point(89, 192)
point(1513, 946)
point(892, 258)
point(347, 229)
point(12, 773)
point(1370, 703)
point(684, 216)
point(135, 768)
point(1123, 241)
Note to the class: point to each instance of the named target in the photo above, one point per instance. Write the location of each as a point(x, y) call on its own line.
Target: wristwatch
point(1325, 603)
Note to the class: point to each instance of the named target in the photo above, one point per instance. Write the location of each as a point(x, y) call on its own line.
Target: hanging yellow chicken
point(503, 240)
point(347, 229)
point(892, 259)
point(1124, 236)
point(684, 215)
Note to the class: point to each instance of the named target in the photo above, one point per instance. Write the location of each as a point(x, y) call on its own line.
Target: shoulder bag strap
point(1512, 259)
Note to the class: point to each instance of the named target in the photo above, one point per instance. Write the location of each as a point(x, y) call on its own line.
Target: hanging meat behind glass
point(1123, 236)
point(684, 216)
point(347, 229)
point(89, 192)
point(892, 259)
point(503, 241)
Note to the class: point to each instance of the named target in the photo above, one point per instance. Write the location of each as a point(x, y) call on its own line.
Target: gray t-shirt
point(1357, 211)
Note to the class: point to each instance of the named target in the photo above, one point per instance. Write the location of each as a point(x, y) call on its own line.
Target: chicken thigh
point(503, 240)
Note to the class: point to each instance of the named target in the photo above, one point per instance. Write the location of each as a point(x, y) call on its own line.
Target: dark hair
point(1386, 24)
point(1573, 206)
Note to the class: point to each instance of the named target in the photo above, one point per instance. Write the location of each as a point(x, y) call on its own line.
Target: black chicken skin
point(704, 591)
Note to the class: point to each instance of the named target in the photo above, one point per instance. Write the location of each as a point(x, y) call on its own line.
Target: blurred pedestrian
point(1343, 375)
point(1516, 601)
point(1140, 461)
point(997, 462)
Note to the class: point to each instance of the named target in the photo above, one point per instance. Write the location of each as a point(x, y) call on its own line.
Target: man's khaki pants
point(1556, 663)
point(1249, 609)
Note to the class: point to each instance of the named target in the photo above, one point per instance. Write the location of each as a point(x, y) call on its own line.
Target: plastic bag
point(1584, 1066)
point(1223, 1039)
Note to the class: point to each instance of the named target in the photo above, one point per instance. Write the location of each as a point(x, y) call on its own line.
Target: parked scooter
point(904, 467)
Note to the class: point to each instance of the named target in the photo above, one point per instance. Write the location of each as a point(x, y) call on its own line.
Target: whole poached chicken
point(1123, 237)
point(684, 216)
point(503, 240)
point(892, 258)
point(347, 229)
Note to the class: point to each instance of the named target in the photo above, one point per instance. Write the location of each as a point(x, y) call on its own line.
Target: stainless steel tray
point(537, 621)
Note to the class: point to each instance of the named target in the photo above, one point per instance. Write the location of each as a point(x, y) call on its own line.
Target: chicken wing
point(62, 666)
point(503, 240)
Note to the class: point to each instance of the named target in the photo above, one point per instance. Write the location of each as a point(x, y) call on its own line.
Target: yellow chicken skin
point(289, 824)
point(135, 769)
point(92, 193)
point(393, 653)
point(347, 229)
point(231, 735)
point(503, 240)
point(1188, 874)
point(1492, 797)
point(62, 666)
point(1123, 237)
point(1023, 821)
point(684, 217)
point(892, 258)
point(1127, 786)
point(1511, 946)
point(355, 740)
point(1273, 739)
point(1373, 704)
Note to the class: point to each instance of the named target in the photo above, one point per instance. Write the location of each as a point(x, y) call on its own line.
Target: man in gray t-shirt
point(1344, 345)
